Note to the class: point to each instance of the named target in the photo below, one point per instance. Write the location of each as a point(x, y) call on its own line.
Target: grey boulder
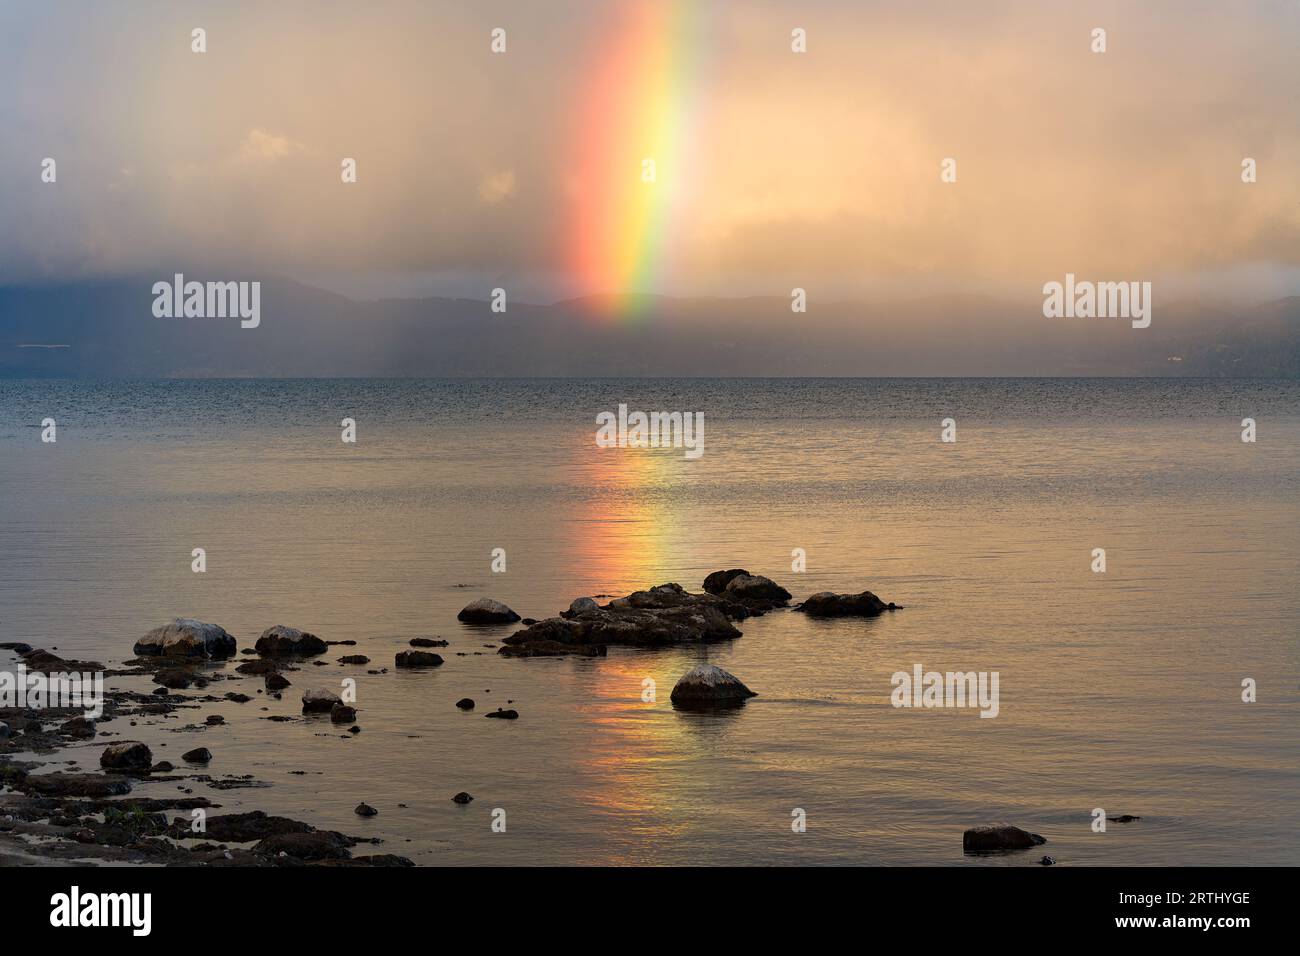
point(319, 701)
point(486, 611)
point(709, 685)
point(186, 637)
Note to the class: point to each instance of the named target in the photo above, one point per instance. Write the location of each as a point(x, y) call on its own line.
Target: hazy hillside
point(107, 329)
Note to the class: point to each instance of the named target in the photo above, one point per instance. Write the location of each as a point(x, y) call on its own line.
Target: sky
point(772, 169)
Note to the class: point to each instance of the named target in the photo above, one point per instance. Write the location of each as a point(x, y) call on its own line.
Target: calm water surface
point(1118, 690)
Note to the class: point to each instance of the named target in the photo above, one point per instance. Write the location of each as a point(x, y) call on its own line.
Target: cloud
point(823, 165)
point(496, 188)
point(261, 148)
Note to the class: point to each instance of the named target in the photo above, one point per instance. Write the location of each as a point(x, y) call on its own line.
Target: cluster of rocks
point(179, 655)
point(668, 614)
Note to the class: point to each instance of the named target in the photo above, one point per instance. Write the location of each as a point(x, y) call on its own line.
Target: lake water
point(1119, 690)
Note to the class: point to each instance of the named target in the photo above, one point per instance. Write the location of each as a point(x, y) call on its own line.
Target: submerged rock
point(717, 582)
point(830, 604)
point(174, 678)
point(198, 755)
point(504, 714)
point(486, 611)
point(41, 659)
point(427, 642)
point(312, 845)
point(80, 727)
point(276, 682)
point(60, 784)
point(418, 659)
point(128, 755)
point(239, 827)
point(258, 667)
point(186, 637)
point(354, 659)
point(706, 685)
point(319, 701)
point(281, 641)
point(999, 837)
point(341, 713)
point(545, 648)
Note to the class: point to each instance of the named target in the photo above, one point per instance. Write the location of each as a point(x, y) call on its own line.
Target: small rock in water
point(198, 755)
point(256, 667)
point(486, 611)
point(418, 659)
point(465, 703)
point(505, 714)
point(214, 719)
point(174, 678)
point(1047, 861)
point(830, 604)
point(126, 756)
point(319, 701)
point(276, 682)
point(427, 642)
point(341, 713)
point(462, 797)
point(354, 659)
point(162, 766)
point(366, 810)
point(709, 685)
point(755, 587)
point(993, 839)
point(354, 729)
point(281, 641)
point(1125, 818)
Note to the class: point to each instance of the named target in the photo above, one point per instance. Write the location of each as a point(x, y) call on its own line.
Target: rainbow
point(634, 111)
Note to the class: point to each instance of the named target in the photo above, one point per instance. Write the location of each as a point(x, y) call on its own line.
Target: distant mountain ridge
point(106, 329)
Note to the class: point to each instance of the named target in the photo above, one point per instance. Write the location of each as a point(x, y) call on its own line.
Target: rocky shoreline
point(80, 816)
